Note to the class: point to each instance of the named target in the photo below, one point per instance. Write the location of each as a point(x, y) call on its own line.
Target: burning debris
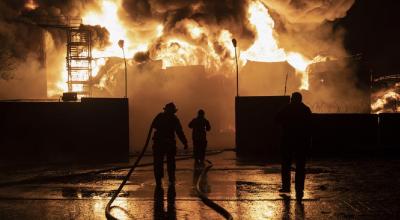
point(386, 99)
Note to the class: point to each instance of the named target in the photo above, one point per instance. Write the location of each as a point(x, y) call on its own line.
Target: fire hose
point(115, 195)
point(204, 197)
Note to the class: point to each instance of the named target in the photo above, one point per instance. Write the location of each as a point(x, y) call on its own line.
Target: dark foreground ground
point(363, 188)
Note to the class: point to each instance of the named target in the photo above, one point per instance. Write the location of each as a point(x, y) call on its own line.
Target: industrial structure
point(79, 52)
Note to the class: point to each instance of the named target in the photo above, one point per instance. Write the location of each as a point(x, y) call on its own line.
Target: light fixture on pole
point(121, 45)
point(234, 42)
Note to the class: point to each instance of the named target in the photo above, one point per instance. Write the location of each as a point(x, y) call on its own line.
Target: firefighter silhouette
point(295, 119)
point(199, 125)
point(166, 125)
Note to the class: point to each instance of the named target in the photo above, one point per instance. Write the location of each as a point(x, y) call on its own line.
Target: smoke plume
point(306, 26)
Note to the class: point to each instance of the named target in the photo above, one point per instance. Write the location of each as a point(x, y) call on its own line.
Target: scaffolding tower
point(79, 61)
point(79, 52)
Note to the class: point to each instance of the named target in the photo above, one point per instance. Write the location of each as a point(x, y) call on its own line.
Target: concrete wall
point(93, 130)
point(389, 130)
point(256, 132)
point(337, 134)
point(333, 134)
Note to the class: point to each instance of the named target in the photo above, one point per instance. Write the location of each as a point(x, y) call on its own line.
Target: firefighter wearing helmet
point(166, 125)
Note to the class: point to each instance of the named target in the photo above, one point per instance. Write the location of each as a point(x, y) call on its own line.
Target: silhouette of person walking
point(295, 119)
point(166, 124)
point(199, 125)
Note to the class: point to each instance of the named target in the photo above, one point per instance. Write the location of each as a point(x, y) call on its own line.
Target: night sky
point(373, 29)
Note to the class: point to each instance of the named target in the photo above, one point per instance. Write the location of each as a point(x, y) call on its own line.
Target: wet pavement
point(362, 188)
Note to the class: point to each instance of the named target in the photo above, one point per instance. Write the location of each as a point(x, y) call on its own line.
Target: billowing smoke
point(214, 15)
point(19, 53)
point(306, 26)
point(141, 57)
point(200, 23)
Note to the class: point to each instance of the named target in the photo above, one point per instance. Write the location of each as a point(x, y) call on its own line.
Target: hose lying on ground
point(40, 179)
point(204, 197)
point(115, 195)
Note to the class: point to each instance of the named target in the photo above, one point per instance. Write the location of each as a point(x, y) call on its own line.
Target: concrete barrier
point(257, 134)
point(92, 130)
point(333, 134)
point(337, 134)
point(389, 130)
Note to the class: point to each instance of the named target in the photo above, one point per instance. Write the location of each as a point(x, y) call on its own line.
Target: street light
point(121, 45)
point(234, 42)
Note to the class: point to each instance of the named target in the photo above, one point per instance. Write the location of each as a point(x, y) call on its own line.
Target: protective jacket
point(296, 120)
point(199, 125)
point(166, 125)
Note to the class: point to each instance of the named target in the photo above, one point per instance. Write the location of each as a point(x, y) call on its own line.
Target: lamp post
point(234, 42)
point(121, 45)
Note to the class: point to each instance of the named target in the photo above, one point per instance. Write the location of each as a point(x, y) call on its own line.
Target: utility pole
point(234, 42)
point(121, 45)
point(287, 74)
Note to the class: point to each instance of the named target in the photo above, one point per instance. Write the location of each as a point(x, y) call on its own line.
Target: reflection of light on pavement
point(267, 213)
point(123, 204)
point(99, 205)
point(259, 210)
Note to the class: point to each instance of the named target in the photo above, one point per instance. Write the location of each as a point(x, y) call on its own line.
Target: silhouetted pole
point(237, 67)
point(286, 83)
point(121, 45)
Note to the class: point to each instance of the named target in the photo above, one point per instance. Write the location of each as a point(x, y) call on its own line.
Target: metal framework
point(79, 61)
point(79, 52)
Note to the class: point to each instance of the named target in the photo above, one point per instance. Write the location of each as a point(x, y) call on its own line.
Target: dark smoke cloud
point(306, 26)
point(7, 64)
point(66, 7)
point(59, 11)
point(100, 36)
point(215, 15)
point(306, 11)
point(141, 57)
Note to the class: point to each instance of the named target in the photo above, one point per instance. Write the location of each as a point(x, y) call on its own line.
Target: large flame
point(108, 18)
point(31, 5)
point(179, 51)
point(266, 49)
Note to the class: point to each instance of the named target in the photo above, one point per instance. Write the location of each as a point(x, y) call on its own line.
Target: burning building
point(337, 86)
point(275, 39)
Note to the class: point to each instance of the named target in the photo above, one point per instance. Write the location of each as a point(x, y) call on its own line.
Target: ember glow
point(31, 5)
